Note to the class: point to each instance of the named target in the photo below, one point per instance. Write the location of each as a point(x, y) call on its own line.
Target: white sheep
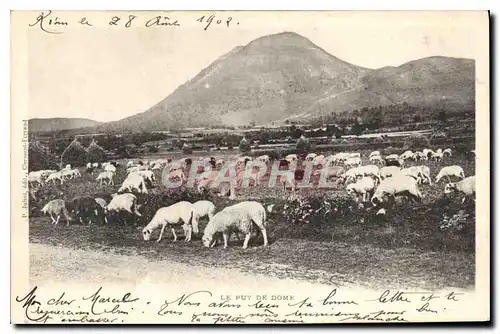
point(56, 207)
point(105, 176)
point(447, 152)
point(134, 181)
point(319, 160)
point(123, 202)
point(146, 175)
point(291, 157)
point(35, 177)
point(374, 153)
point(448, 171)
point(176, 174)
point(399, 184)
point(173, 215)
point(467, 187)
point(287, 178)
point(110, 168)
point(420, 173)
point(202, 209)
point(368, 170)
point(420, 156)
point(238, 217)
point(55, 176)
point(376, 159)
point(389, 171)
point(407, 155)
point(264, 158)
point(310, 156)
point(352, 161)
point(219, 163)
point(95, 165)
point(437, 156)
point(392, 157)
point(428, 152)
point(363, 187)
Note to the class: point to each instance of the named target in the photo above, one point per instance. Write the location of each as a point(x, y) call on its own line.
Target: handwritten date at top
point(212, 19)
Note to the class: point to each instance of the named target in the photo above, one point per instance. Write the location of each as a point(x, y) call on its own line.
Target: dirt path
point(60, 264)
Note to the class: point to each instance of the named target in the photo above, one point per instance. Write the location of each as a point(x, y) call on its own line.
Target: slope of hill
point(57, 124)
point(285, 76)
point(269, 79)
point(435, 81)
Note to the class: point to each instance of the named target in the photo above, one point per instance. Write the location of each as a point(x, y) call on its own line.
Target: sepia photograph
point(250, 167)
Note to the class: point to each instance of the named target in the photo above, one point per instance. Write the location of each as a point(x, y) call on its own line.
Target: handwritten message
point(53, 24)
point(204, 306)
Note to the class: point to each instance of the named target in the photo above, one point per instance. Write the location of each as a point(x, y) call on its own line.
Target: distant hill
point(286, 76)
point(58, 124)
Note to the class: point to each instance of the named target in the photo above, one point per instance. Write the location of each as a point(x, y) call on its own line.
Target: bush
point(95, 153)
point(75, 154)
point(39, 157)
point(244, 146)
point(186, 149)
point(303, 145)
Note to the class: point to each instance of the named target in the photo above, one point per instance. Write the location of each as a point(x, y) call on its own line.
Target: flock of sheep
point(374, 183)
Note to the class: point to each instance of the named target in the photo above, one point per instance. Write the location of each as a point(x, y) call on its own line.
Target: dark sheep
point(86, 209)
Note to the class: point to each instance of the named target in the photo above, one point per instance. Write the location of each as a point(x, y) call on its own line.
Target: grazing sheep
point(264, 158)
point(95, 165)
point(420, 156)
point(381, 212)
point(291, 157)
point(394, 162)
point(389, 171)
point(467, 187)
point(319, 160)
point(448, 171)
point(110, 168)
point(219, 163)
point(105, 176)
point(238, 217)
point(147, 175)
point(376, 159)
point(374, 153)
point(123, 202)
point(407, 155)
point(399, 184)
point(177, 174)
point(428, 152)
point(55, 176)
point(56, 207)
point(202, 209)
point(35, 177)
point(175, 214)
point(363, 187)
point(310, 156)
point(86, 207)
point(352, 162)
point(437, 156)
point(103, 205)
point(369, 170)
point(421, 173)
point(392, 157)
point(287, 179)
point(447, 152)
point(134, 182)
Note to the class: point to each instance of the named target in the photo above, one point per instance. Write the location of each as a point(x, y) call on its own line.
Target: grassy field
point(345, 244)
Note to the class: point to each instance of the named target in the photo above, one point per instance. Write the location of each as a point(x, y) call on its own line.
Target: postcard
point(250, 167)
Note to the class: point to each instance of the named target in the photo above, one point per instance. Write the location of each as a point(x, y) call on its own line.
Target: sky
point(108, 72)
